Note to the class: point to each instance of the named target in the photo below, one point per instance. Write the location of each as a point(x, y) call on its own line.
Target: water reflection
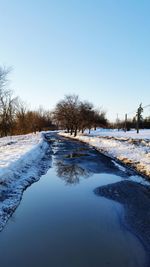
point(94, 236)
point(136, 201)
point(71, 173)
point(11, 191)
point(74, 160)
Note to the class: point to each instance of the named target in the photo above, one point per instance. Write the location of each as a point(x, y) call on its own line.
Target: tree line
point(15, 116)
point(71, 113)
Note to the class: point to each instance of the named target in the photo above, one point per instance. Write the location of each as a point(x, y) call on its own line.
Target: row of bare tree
point(70, 113)
point(15, 116)
point(75, 115)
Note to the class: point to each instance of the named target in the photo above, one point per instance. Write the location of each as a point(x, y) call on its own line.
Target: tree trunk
point(75, 132)
point(137, 125)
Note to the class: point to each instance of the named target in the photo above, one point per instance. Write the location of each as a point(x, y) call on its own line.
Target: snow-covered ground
point(143, 134)
point(20, 157)
point(130, 148)
point(14, 147)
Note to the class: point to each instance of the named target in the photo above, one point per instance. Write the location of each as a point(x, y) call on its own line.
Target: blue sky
point(99, 49)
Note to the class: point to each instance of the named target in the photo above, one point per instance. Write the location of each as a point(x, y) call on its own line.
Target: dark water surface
point(62, 223)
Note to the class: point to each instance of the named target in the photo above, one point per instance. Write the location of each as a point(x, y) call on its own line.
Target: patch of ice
point(119, 166)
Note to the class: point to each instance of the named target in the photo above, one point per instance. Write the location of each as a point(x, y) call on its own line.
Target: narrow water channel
point(61, 222)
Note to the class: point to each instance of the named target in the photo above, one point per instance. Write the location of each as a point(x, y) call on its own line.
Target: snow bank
point(143, 134)
point(20, 158)
point(129, 148)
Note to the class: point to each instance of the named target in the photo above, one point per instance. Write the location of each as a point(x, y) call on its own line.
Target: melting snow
point(20, 158)
point(131, 148)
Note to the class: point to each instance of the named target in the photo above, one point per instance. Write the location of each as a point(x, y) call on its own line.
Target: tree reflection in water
point(71, 173)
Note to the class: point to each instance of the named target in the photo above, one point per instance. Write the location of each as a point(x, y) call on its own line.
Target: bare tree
point(67, 113)
point(21, 118)
point(7, 104)
point(73, 115)
point(100, 118)
point(86, 114)
point(4, 77)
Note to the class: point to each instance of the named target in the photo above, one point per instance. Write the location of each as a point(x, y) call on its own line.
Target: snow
point(20, 157)
point(12, 148)
point(21, 160)
point(143, 134)
point(120, 167)
point(129, 148)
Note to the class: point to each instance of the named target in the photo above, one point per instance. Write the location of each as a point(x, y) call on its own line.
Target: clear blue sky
point(99, 49)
